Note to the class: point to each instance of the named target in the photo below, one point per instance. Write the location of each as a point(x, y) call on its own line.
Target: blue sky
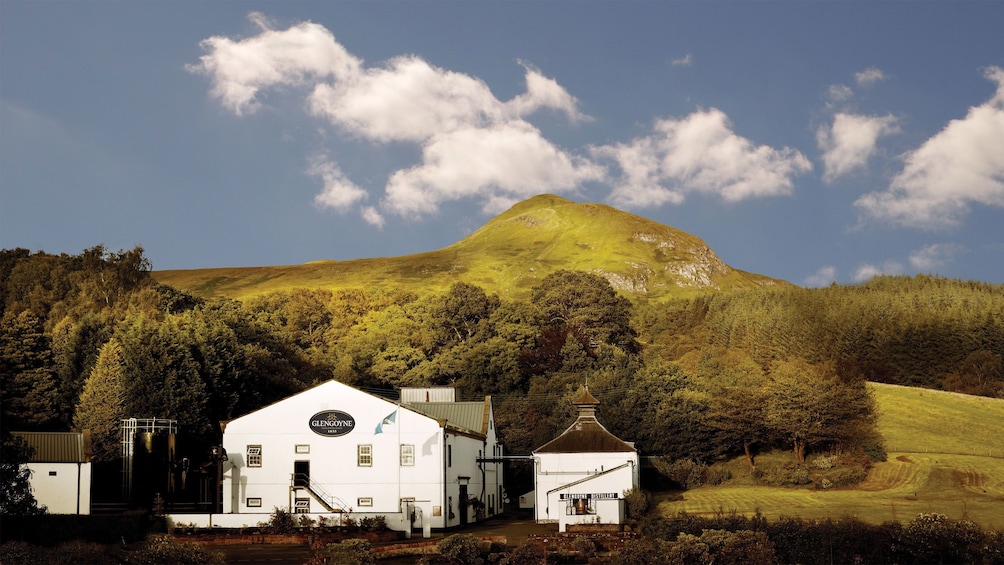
point(808, 141)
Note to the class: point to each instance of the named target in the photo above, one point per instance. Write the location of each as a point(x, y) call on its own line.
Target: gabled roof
point(57, 447)
point(471, 416)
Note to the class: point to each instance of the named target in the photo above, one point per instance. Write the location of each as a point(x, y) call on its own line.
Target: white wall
point(63, 488)
point(553, 470)
point(281, 427)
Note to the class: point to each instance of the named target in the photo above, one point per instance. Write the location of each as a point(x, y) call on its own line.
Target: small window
point(449, 455)
point(302, 448)
point(302, 506)
point(254, 456)
point(364, 501)
point(407, 455)
point(254, 503)
point(52, 473)
point(364, 455)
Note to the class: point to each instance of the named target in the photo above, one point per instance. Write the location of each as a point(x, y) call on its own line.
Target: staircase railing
point(330, 501)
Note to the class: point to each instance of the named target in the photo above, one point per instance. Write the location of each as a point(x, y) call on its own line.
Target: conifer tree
point(102, 405)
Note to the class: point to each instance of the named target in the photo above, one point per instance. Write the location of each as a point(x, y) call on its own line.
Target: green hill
point(509, 255)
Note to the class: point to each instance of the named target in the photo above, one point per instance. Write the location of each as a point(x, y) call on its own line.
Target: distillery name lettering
point(332, 423)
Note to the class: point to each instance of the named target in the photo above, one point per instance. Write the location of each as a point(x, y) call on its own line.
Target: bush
point(350, 552)
point(637, 503)
point(526, 553)
point(936, 538)
point(684, 472)
point(162, 549)
point(461, 548)
point(280, 522)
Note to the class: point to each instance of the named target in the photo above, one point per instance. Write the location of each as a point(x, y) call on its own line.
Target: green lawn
point(946, 455)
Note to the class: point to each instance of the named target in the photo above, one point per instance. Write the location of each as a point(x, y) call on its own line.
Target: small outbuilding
point(580, 476)
point(60, 470)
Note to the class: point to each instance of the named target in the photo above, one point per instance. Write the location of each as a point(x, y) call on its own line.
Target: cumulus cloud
point(699, 153)
point(472, 143)
point(823, 277)
point(684, 61)
point(850, 140)
point(339, 192)
point(867, 271)
point(239, 70)
point(935, 256)
point(869, 76)
point(960, 165)
point(839, 93)
point(510, 159)
point(372, 217)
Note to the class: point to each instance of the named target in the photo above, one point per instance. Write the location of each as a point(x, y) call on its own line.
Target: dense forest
point(90, 339)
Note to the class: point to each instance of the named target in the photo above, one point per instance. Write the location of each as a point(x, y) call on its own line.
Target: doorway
point(301, 473)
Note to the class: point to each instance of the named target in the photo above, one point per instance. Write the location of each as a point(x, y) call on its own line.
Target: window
point(302, 506)
point(254, 503)
point(449, 455)
point(52, 473)
point(364, 455)
point(254, 456)
point(302, 448)
point(364, 501)
point(407, 455)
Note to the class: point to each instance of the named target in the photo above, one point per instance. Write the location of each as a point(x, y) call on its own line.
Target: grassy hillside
point(509, 255)
point(946, 455)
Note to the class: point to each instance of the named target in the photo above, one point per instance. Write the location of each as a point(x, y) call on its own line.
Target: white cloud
point(684, 61)
point(839, 92)
point(699, 153)
point(511, 159)
point(868, 271)
point(934, 256)
point(849, 142)
point(339, 192)
point(869, 76)
point(240, 69)
point(372, 217)
point(473, 144)
point(823, 277)
point(960, 165)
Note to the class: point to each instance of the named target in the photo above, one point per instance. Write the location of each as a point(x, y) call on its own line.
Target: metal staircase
point(331, 502)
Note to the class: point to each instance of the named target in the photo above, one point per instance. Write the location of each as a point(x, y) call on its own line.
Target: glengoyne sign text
point(332, 423)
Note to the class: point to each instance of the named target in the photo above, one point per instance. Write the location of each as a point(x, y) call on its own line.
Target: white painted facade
point(580, 477)
point(335, 449)
point(60, 471)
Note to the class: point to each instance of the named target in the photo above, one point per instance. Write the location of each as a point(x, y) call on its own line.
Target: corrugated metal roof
point(472, 416)
point(57, 447)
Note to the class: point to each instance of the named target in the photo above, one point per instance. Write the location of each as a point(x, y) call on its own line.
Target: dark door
point(301, 473)
point(463, 505)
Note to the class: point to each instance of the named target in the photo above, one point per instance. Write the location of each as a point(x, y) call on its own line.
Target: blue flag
point(389, 419)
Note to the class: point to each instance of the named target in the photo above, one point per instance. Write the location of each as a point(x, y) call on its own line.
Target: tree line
point(90, 339)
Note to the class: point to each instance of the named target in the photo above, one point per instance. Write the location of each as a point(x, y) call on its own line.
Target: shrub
point(684, 472)
point(584, 546)
point(527, 553)
point(461, 548)
point(637, 502)
point(162, 549)
point(350, 552)
point(936, 538)
point(280, 522)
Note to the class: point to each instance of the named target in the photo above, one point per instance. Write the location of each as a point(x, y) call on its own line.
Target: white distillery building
point(580, 476)
point(60, 470)
point(334, 449)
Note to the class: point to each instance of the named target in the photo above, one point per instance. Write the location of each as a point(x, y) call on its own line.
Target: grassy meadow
point(946, 455)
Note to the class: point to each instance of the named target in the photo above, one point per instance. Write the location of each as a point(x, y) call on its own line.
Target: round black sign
point(332, 423)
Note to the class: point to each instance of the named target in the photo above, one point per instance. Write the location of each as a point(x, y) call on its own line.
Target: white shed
point(334, 449)
point(581, 475)
point(60, 470)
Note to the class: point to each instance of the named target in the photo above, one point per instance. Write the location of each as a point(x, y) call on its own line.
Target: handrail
point(330, 501)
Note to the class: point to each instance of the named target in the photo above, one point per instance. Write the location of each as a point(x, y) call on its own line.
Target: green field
point(946, 455)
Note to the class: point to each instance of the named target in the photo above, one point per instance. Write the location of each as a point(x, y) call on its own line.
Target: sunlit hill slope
point(509, 255)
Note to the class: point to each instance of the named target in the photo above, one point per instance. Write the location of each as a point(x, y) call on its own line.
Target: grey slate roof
point(472, 416)
point(586, 434)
